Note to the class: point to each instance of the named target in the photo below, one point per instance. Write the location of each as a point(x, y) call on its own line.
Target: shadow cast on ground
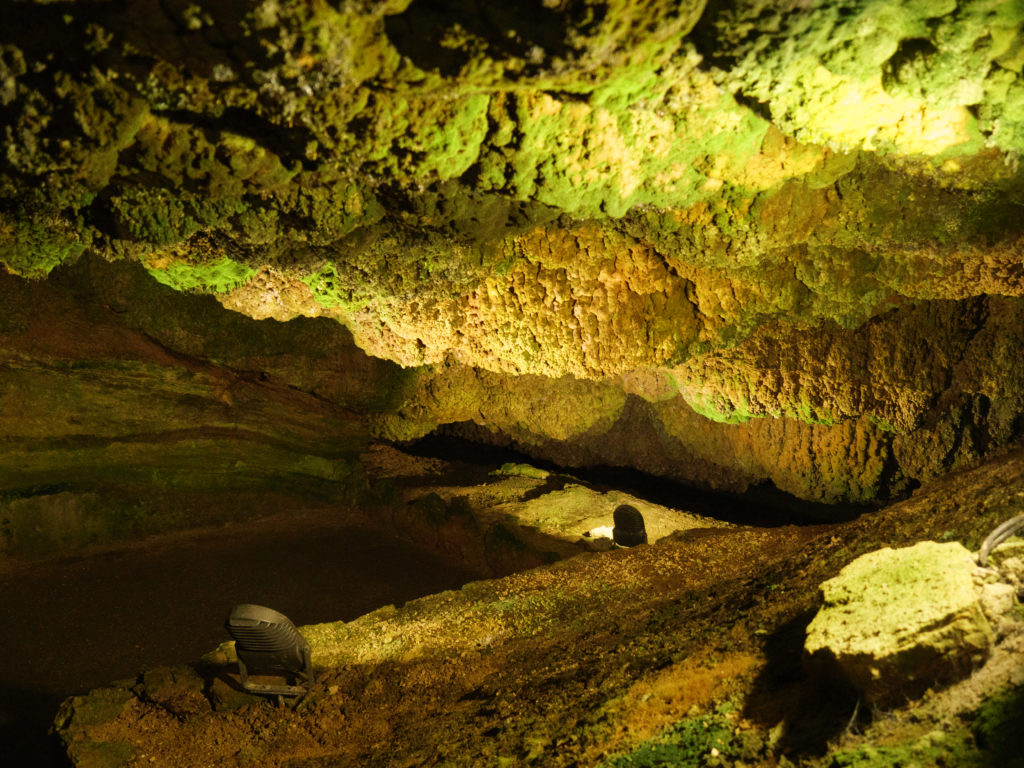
point(814, 711)
point(25, 719)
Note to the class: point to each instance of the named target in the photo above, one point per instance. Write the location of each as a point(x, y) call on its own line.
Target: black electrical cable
point(1000, 534)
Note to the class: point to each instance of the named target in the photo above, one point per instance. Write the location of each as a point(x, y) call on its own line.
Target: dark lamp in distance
point(629, 530)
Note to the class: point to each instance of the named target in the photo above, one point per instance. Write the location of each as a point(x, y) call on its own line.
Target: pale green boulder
point(898, 621)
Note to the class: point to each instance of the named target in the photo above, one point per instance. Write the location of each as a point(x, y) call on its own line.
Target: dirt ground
point(581, 662)
point(74, 623)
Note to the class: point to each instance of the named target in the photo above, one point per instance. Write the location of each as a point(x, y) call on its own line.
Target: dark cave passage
point(77, 623)
point(761, 506)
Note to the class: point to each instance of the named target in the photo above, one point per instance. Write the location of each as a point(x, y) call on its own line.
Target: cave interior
point(377, 311)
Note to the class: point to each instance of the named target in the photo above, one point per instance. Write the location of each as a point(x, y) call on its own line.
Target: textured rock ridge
point(129, 409)
point(792, 229)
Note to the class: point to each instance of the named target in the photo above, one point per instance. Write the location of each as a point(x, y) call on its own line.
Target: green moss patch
point(218, 276)
point(718, 408)
point(331, 290)
point(939, 748)
point(696, 742)
point(883, 76)
point(997, 727)
point(33, 246)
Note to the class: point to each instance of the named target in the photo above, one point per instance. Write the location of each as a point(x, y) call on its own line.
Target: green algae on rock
point(894, 77)
point(940, 747)
point(219, 276)
point(995, 725)
point(737, 198)
point(697, 741)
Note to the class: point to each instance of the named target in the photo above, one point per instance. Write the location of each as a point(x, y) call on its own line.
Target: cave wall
point(129, 408)
point(725, 242)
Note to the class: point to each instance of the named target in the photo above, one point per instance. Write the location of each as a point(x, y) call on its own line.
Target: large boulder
point(897, 621)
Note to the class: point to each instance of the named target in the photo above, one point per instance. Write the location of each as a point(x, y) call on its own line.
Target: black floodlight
point(267, 643)
point(629, 527)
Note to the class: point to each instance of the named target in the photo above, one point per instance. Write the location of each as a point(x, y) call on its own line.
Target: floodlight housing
point(267, 643)
point(629, 527)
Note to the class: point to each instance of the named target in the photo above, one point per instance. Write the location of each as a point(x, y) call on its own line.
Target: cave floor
point(75, 623)
point(579, 661)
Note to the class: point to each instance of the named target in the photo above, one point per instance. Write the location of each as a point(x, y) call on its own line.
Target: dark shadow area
point(764, 505)
point(760, 108)
point(201, 38)
point(905, 67)
point(78, 623)
point(707, 35)
point(443, 35)
point(814, 711)
point(39, 30)
point(287, 142)
point(997, 729)
point(456, 209)
point(25, 717)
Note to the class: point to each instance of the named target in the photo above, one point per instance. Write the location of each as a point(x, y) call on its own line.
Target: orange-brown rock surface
point(727, 242)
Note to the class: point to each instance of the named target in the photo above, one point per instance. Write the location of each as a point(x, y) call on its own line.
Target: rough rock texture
point(897, 621)
point(792, 230)
point(129, 408)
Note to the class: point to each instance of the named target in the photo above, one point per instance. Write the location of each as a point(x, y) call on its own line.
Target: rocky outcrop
point(823, 413)
point(128, 408)
point(898, 621)
point(729, 243)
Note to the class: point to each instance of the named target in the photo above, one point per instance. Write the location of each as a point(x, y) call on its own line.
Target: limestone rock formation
point(898, 621)
point(732, 242)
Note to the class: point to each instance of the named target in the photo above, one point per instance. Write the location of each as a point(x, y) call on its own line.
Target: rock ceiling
point(727, 242)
